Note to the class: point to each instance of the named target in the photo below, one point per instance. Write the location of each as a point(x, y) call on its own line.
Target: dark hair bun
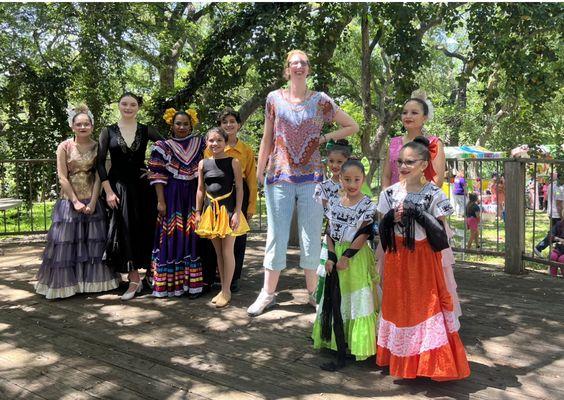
point(422, 140)
point(138, 98)
point(342, 142)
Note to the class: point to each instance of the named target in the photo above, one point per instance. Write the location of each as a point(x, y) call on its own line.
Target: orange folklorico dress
point(418, 328)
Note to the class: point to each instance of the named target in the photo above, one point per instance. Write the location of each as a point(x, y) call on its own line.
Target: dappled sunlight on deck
point(96, 346)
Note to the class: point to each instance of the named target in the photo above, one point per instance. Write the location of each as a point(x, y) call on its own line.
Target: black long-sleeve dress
point(132, 224)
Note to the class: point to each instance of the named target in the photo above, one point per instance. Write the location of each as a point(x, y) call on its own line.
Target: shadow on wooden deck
point(95, 346)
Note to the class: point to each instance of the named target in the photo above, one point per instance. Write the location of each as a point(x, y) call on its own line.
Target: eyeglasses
point(408, 163)
point(298, 63)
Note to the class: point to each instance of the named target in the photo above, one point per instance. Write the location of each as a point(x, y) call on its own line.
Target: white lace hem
point(409, 341)
point(355, 305)
point(88, 287)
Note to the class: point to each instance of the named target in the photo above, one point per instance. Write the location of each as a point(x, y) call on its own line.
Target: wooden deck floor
point(95, 346)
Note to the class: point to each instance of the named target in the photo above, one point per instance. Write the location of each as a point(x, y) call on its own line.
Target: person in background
point(459, 192)
point(555, 205)
point(417, 111)
point(557, 253)
point(472, 220)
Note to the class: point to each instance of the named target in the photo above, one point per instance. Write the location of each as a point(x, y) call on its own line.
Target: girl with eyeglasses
point(72, 260)
point(176, 267)
point(416, 111)
point(418, 326)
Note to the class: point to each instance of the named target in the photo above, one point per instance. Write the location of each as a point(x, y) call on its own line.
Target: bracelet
point(350, 253)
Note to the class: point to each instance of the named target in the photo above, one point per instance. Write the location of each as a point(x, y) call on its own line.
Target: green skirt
point(359, 305)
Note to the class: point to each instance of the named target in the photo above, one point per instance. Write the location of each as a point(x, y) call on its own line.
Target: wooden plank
point(297, 382)
point(509, 327)
point(9, 390)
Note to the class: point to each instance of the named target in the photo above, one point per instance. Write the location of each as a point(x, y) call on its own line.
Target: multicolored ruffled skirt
point(72, 260)
point(175, 265)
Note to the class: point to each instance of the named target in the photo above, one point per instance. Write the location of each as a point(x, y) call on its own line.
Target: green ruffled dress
point(359, 304)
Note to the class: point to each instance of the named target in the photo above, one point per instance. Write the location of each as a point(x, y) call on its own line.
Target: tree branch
point(137, 50)
point(375, 39)
point(451, 53)
point(250, 106)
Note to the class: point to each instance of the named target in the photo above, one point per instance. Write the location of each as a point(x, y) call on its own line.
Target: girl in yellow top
point(230, 121)
point(220, 186)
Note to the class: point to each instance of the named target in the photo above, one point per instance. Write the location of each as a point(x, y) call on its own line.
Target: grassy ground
point(23, 219)
point(493, 237)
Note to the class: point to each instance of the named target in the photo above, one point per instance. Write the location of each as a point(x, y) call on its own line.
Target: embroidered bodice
point(430, 198)
point(81, 164)
point(344, 221)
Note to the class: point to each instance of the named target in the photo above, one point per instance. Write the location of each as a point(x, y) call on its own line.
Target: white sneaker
point(263, 301)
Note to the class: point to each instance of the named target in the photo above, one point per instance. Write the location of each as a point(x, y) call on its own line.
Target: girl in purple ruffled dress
point(72, 260)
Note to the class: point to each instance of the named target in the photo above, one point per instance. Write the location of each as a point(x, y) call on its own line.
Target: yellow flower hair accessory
point(169, 115)
point(193, 116)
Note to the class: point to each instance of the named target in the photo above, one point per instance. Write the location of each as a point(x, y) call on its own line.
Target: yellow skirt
point(215, 222)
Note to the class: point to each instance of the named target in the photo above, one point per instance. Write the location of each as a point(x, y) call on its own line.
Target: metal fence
point(510, 228)
point(28, 190)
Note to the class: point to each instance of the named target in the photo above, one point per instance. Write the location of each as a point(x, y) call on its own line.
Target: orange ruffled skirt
point(418, 328)
point(214, 222)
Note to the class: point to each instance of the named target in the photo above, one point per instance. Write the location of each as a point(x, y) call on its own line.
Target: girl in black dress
point(131, 201)
point(218, 208)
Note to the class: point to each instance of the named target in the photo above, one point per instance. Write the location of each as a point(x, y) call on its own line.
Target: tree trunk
point(166, 79)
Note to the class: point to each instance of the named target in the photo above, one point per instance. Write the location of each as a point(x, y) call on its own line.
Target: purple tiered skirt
point(72, 260)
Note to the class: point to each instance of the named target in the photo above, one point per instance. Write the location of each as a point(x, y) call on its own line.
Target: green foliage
point(492, 70)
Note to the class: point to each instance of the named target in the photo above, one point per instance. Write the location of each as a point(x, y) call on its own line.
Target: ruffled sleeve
point(440, 206)
point(319, 194)
point(383, 202)
point(269, 109)
point(160, 155)
point(369, 215)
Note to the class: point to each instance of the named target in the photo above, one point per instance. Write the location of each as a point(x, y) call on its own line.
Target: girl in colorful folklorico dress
point(220, 188)
point(72, 261)
point(338, 152)
point(418, 328)
point(348, 315)
point(174, 162)
point(230, 121)
point(416, 112)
